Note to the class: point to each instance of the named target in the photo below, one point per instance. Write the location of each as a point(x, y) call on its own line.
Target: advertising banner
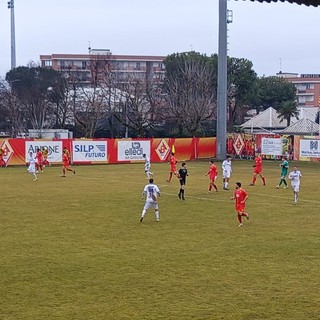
point(89, 151)
point(272, 146)
point(54, 149)
point(129, 150)
point(310, 148)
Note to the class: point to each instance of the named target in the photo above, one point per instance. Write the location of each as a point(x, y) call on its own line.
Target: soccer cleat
point(141, 219)
point(251, 184)
point(225, 189)
point(247, 216)
point(35, 179)
point(183, 198)
point(63, 176)
point(74, 171)
point(240, 225)
point(285, 187)
point(208, 192)
point(179, 195)
point(277, 187)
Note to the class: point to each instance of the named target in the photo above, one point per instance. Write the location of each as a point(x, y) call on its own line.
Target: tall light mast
point(13, 36)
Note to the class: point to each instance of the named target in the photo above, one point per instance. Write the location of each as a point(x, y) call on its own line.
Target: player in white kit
point(226, 172)
point(147, 166)
point(294, 177)
point(151, 191)
point(32, 166)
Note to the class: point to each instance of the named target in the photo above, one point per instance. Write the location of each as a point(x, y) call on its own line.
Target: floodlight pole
point(222, 83)
point(13, 37)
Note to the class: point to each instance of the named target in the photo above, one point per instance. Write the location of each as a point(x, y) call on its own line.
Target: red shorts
point(66, 164)
point(257, 170)
point(240, 207)
point(173, 169)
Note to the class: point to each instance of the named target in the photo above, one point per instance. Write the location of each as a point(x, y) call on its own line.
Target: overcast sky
point(273, 36)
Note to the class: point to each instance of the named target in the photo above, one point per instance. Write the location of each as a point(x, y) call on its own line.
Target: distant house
point(302, 127)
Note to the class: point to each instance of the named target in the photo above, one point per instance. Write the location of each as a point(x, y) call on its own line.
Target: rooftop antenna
point(280, 62)
point(89, 46)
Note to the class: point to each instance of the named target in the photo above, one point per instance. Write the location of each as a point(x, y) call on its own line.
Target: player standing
point(32, 166)
point(173, 166)
point(39, 163)
point(66, 163)
point(295, 177)
point(284, 171)
point(151, 191)
point(226, 172)
point(241, 196)
point(213, 174)
point(147, 166)
point(258, 170)
point(182, 175)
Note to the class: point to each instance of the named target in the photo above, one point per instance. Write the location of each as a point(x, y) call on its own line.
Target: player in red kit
point(66, 163)
point(213, 173)
point(39, 163)
point(257, 170)
point(173, 166)
point(240, 196)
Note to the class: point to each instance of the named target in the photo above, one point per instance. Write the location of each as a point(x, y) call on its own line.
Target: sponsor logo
point(89, 151)
point(163, 150)
point(135, 150)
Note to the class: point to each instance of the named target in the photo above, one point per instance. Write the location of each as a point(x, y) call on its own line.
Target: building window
point(48, 63)
point(137, 65)
point(84, 65)
point(309, 85)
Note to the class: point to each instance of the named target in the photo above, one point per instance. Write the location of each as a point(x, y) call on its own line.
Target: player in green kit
point(284, 171)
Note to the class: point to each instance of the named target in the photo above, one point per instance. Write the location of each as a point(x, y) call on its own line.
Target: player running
point(182, 176)
point(295, 177)
point(147, 166)
point(257, 170)
point(241, 196)
point(39, 163)
point(213, 174)
point(32, 166)
point(66, 163)
point(151, 191)
point(173, 166)
point(284, 171)
point(226, 172)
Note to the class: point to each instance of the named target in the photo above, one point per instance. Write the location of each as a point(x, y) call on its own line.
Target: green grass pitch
point(73, 248)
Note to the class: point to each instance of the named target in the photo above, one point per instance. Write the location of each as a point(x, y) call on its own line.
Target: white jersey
point(151, 191)
point(295, 177)
point(147, 164)
point(226, 168)
point(32, 165)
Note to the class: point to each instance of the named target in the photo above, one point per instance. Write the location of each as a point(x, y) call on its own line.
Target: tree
point(31, 85)
point(273, 91)
point(288, 110)
point(189, 91)
point(241, 89)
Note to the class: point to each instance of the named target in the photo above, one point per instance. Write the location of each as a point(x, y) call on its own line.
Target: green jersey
point(284, 168)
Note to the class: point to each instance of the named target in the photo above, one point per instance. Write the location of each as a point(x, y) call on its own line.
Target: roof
point(303, 126)
point(314, 3)
point(266, 119)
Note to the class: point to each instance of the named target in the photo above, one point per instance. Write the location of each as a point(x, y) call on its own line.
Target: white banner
point(54, 149)
point(272, 146)
point(89, 151)
point(133, 150)
point(310, 148)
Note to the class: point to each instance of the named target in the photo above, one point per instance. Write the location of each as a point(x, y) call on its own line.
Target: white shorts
point(149, 204)
point(226, 174)
point(295, 187)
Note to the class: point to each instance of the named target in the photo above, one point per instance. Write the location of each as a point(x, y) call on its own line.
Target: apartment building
point(143, 67)
point(308, 88)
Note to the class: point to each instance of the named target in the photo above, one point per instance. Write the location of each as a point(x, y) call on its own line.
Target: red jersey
point(213, 171)
point(173, 161)
point(240, 195)
point(258, 165)
point(65, 160)
point(39, 157)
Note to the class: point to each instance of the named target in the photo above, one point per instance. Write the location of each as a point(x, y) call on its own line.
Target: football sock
point(239, 218)
point(210, 187)
point(285, 182)
point(263, 180)
point(254, 180)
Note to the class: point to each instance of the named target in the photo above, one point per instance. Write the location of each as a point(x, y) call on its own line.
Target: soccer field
point(73, 248)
